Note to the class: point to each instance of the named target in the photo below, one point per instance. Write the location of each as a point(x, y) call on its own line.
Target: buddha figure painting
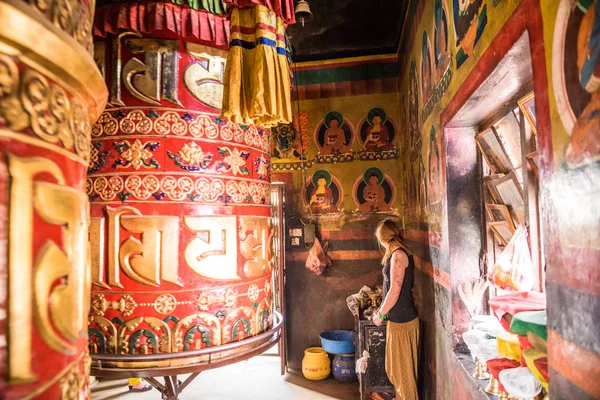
point(334, 136)
point(322, 193)
point(377, 132)
point(441, 51)
point(426, 70)
point(373, 191)
point(576, 70)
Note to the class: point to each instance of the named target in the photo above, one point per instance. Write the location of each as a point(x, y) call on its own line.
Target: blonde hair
point(389, 236)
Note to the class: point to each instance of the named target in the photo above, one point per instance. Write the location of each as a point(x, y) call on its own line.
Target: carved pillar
point(180, 229)
point(50, 94)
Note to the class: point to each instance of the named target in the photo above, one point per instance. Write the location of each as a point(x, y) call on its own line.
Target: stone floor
point(257, 378)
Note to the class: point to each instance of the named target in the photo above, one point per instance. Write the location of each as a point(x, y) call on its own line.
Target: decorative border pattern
point(291, 166)
point(177, 188)
point(181, 124)
point(29, 101)
point(73, 19)
point(166, 303)
point(209, 317)
point(334, 158)
point(380, 155)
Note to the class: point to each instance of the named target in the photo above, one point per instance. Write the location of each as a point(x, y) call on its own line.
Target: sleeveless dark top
point(404, 310)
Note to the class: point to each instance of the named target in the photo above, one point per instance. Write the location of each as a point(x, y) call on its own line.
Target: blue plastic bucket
point(338, 341)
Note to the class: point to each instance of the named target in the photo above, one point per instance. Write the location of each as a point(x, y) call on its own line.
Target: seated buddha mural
point(322, 193)
point(334, 135)
point(377, 132)
point(373, 191)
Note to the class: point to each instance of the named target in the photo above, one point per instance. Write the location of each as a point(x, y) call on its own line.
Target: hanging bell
point(302, 12)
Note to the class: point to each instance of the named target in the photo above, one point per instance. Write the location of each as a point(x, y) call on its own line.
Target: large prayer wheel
point(50, 95)
point(180, 207)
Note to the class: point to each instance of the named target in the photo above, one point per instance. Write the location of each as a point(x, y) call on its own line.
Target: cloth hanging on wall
point(257, 78)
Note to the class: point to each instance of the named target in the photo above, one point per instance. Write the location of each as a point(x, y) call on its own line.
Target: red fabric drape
point(282, 8)
point(189, 24)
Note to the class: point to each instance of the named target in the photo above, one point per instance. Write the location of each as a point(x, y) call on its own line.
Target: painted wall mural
point(374, 191)
point(564, 38)
point(578, 104)
point(434, 175)
point(334, 136)
point(377, 135)
point(470, 19)
point(426, 77)
point(442, 54)
point(413, 112)
point(289, 145)
point(323, 193)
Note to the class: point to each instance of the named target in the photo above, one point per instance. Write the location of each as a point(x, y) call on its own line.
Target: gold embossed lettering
point(117, 67)
point(97, 244)
point(55, 291)
point(65, 305)
point(204, 78)
point(255, 245)
point(156, 77)
point(149, 260)
point(213, 252)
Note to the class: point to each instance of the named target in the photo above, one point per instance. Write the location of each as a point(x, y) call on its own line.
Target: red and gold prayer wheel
point(180, 202)
point(50, 95)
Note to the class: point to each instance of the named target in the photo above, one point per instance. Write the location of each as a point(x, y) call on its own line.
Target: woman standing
point(398, 307)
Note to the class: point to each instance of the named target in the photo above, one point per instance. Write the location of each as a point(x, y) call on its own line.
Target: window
point(509, 169)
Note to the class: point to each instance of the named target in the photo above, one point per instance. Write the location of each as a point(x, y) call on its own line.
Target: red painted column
point(50, 95)
point(180, 204)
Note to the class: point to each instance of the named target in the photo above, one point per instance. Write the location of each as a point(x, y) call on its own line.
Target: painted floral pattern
point(191, 157)
point(136, 154)
point(234, 161)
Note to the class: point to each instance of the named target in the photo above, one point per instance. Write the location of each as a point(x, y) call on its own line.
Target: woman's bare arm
point(399, 263)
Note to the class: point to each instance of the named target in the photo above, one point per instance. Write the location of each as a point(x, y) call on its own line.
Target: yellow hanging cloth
point(257, 78)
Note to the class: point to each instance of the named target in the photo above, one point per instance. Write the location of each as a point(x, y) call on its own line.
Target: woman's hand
point(377, 321)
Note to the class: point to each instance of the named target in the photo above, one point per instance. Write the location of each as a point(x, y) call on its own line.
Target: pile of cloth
point(512, 343)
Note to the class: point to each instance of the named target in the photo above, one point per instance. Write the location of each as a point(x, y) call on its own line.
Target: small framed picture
point(510, 193)
point(527, 106)
point(533, 159)
point(295, 241)
point(503, 231)
point(490, 146)
point(499, 213)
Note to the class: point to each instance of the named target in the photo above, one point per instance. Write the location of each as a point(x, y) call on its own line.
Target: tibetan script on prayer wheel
point(50, 95)
point(180, 225)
